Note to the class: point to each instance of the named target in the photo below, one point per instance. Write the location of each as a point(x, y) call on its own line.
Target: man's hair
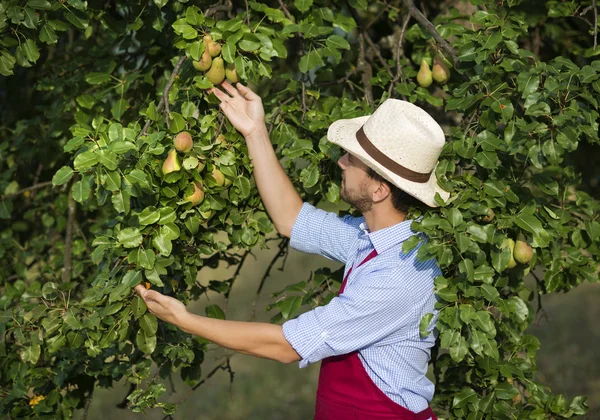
point(401, 201)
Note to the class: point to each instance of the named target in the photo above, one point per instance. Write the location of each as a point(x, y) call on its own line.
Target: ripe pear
point(216, 73)
point(218, 176)
point(231, 74)
point(508, 242)
point(171, 163)
point(440, 72)
point(204, 63)
point(213, 48)
point(183, 142)
point(197, 196)
point(522, 252)
point(424, 77)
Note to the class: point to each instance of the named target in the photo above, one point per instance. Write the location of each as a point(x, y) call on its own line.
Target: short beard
point(360, 202)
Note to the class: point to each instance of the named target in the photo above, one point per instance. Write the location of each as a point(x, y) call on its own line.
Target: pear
point(231, 74)
point(424, 77)
point(213, 48)
point(205, 61)
point(489, 217)
point(171, 163)
point(510, 244)
point(216, 73)
point(197, 196)
point(522, 252)
point(218, 176)
point(440, 72)
point(183, 142)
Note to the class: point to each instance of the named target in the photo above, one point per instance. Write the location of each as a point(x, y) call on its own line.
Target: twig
point(283, 250)
point(165, 98)
point(399, 53)
point(85, 242)
point(68, 250)
point(378, 54)
point(88, 402)
point(595, 23)
point(213, 10)
point(416, 13)
point(366, 70)
point(303, 99)
point(36, 178)
point(286, 11)
point(32, 188)
point(247, 13)
point(232, 279)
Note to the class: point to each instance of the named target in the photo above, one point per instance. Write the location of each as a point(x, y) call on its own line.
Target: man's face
point(356, 184)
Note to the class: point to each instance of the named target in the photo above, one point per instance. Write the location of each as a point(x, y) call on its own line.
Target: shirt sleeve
point(377, 305)
point(319, 232)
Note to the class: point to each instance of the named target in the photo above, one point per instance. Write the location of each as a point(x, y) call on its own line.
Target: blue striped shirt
point(380, 310)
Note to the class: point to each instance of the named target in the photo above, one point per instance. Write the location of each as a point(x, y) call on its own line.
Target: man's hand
point(164, 307)
point(242, 107)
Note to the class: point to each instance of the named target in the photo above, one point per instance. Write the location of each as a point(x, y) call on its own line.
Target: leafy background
point(92, 94)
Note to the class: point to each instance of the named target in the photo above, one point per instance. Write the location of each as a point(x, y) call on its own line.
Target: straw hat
point(401, 142)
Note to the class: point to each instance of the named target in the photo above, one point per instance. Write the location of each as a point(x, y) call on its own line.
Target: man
point(374, 360)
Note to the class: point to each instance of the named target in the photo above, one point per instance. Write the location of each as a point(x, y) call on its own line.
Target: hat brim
point(343, 133)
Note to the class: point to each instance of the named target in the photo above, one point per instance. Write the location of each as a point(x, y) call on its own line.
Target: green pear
point(510, 244)
point(440, 72)
point(204, 63)
point(213, 48)
point(197, 196)
point(523, 252)
point(218, 176)
point(424, 77)
point(216, 73)
point(183, 142)
point(171, 163)
point(231, 74)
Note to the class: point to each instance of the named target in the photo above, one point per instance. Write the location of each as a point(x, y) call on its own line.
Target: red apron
point(346, 392)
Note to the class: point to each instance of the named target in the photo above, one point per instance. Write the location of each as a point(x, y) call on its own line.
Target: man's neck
point(378, 218)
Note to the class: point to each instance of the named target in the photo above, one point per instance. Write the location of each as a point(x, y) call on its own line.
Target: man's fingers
point(140, 290)
point(247, 92)
point(220, 94)
point(230, 89)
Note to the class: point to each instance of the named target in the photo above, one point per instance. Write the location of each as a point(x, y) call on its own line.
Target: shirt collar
point(384, 239)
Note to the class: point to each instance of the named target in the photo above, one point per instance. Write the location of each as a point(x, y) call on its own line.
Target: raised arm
point(245, 111)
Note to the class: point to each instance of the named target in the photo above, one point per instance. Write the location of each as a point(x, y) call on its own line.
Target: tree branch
point(88, 402)
point(419, 17)
point(165, 98)
point(399, 53)
point(366, 70)
point(283, 250)
point(32, 188)
point(68, 250)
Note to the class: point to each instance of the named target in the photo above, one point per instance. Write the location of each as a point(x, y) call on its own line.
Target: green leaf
point(137, 176)
point(62, 176)
point(465, 396)
point(303, 5)
point(130, 237)
point(243, 185)
point(121, 201)
point(138, 307)
point(85, 160)
point(424, 325)
point(119, 108)
point(146, 258)
point(310, 61)
point(7, 62)
point(30, 353)
point(490, 292)
point(108, 159)
point(310, 175)
point(336, 41)
point(146, 344)
point(81, 190)
point(228, 52)
point(505, 391)
point(31, 50)
point(182, 28)
point(533, 225)
point(96, 78)
point(290, 306)
point(214, 311)
point(149, 324)
point(148, 216)
point(162, 244)
point(177, 122)
point(132, 278)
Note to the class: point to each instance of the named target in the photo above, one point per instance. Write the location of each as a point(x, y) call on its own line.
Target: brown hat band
point(388, 163)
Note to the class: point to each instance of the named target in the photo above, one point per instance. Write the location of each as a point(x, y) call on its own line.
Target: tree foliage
point(93, 93)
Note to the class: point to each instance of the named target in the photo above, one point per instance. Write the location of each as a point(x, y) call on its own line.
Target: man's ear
point(382, 192)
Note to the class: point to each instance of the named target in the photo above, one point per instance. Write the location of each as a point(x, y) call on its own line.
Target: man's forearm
point(254, 338)
point(282, 201)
